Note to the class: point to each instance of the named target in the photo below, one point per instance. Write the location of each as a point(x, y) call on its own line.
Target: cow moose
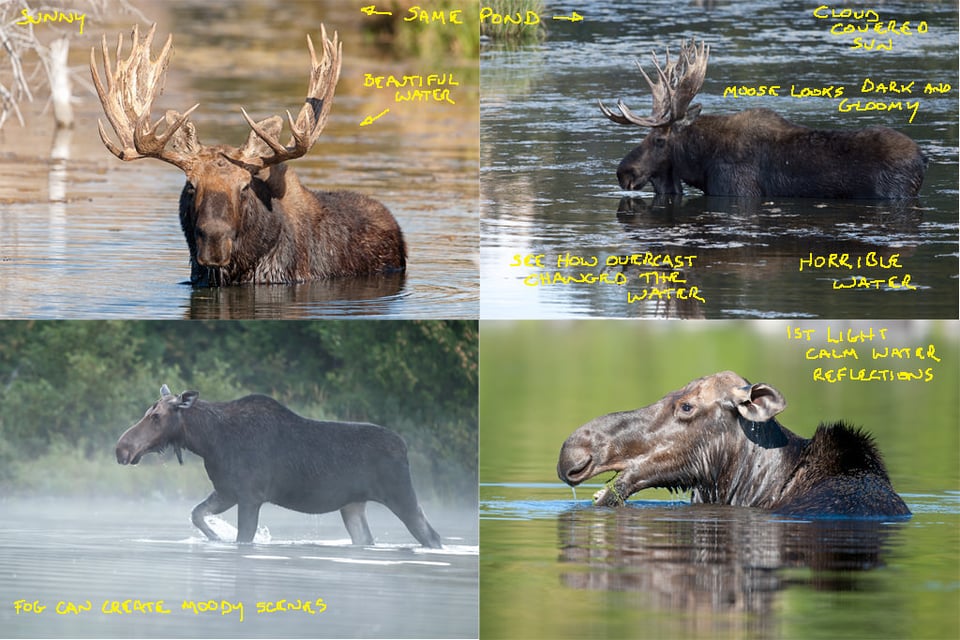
point(718, 437)
point(756, 153)
point(245, 215)
point(255, 450)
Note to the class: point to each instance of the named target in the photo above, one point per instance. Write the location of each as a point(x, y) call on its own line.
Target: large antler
point(678, 84)
point(312, 117)
point(128, 97)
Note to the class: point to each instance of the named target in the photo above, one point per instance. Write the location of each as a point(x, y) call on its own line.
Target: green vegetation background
point(541, 380)
point(69, 389)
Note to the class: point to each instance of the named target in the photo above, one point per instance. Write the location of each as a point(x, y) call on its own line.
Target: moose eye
point(659, 142)
point(686, 407)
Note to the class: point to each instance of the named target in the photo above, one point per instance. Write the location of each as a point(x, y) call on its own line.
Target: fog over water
point(87, 563)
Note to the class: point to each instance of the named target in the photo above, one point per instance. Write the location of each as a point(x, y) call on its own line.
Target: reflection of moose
point(245, 214)
point(255, 450)
point(710, 564)
point(756, 152)
point(719, 438)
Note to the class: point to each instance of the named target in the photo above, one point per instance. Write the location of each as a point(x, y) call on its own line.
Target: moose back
point(245, 215)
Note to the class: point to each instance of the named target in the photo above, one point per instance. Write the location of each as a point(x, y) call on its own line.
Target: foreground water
point(549, 160)
point(88, 564)
point(556, 567)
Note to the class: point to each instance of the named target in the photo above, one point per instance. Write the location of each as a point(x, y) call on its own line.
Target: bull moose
point(255, 450)
point(245, 215)
point(756, 153)
point(718, 437)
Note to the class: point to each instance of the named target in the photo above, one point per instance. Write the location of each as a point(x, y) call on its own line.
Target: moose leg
point(355, 520)
point(248, 514)
point(214, 504)
point(405, 506)
point(417, 524)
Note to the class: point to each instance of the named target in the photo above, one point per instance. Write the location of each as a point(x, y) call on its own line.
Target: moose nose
point(573, 466)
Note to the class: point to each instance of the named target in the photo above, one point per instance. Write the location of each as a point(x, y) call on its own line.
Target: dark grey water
point(548, 163)
point(67, 556)
point(672, 570)
point(89, 236)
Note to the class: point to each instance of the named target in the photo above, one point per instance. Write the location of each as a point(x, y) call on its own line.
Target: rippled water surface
point(662, 569)
point(91, 236)
point(106, 555)
point(549, 159)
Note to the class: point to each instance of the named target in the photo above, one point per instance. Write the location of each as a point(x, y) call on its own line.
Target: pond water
point(88, 236)
point(555, 567)
point(96, 553)
point(549, 159)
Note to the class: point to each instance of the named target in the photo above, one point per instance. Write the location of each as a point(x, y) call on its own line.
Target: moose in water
point(756, 153)
point(245, 214)
point(718, 437)
point(255, 450)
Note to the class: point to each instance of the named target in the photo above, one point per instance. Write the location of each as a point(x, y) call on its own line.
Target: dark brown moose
point(255, 450)
point(718, 438)
point(245, 214)
point(756, 153)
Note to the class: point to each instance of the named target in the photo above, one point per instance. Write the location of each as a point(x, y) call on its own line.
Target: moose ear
point(164, 391)
point(693, 112)
point(184, 139)
point(759, 402)
point(255, 147)
point(187, 398)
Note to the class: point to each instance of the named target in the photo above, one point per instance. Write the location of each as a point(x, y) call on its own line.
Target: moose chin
point(756, 153)
point(718, 438)
point(245, 215)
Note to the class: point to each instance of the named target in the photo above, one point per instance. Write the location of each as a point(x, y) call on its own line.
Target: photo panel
point(781, 528)
point(797, 160)
point(244, 479)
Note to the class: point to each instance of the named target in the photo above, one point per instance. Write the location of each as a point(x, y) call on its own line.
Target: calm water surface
point(93, 237)
point(549, 159)
point(54, 550)
point(556, 567)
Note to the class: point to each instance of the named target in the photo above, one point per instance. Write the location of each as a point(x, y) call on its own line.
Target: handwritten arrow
point(371, 119)
point(576, 17)
point(372, 11)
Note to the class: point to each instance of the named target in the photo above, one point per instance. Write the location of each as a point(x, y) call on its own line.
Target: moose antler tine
point(127, 90)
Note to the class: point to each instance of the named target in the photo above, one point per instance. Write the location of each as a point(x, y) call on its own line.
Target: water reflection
point(701, 558)
point(374, 295)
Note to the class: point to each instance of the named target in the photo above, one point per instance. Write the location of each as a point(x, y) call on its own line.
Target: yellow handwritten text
point(311, 607)
point(433, 87)
point(419, 14)
point(121, 607)
point(225, 607)
point(25, 606)
point(489, 16)
point(52, 16)
point(866, 25)
point(869, 343)
point(846, 261)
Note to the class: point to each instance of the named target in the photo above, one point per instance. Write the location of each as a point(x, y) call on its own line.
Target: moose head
point(679, 82)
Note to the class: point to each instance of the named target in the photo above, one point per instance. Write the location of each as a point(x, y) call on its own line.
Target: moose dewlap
point(718, 438)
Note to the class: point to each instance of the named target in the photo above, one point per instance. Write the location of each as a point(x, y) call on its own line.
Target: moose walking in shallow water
point(245, 215)
point(718, 437)
point(255, 450)
point(756, 153)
